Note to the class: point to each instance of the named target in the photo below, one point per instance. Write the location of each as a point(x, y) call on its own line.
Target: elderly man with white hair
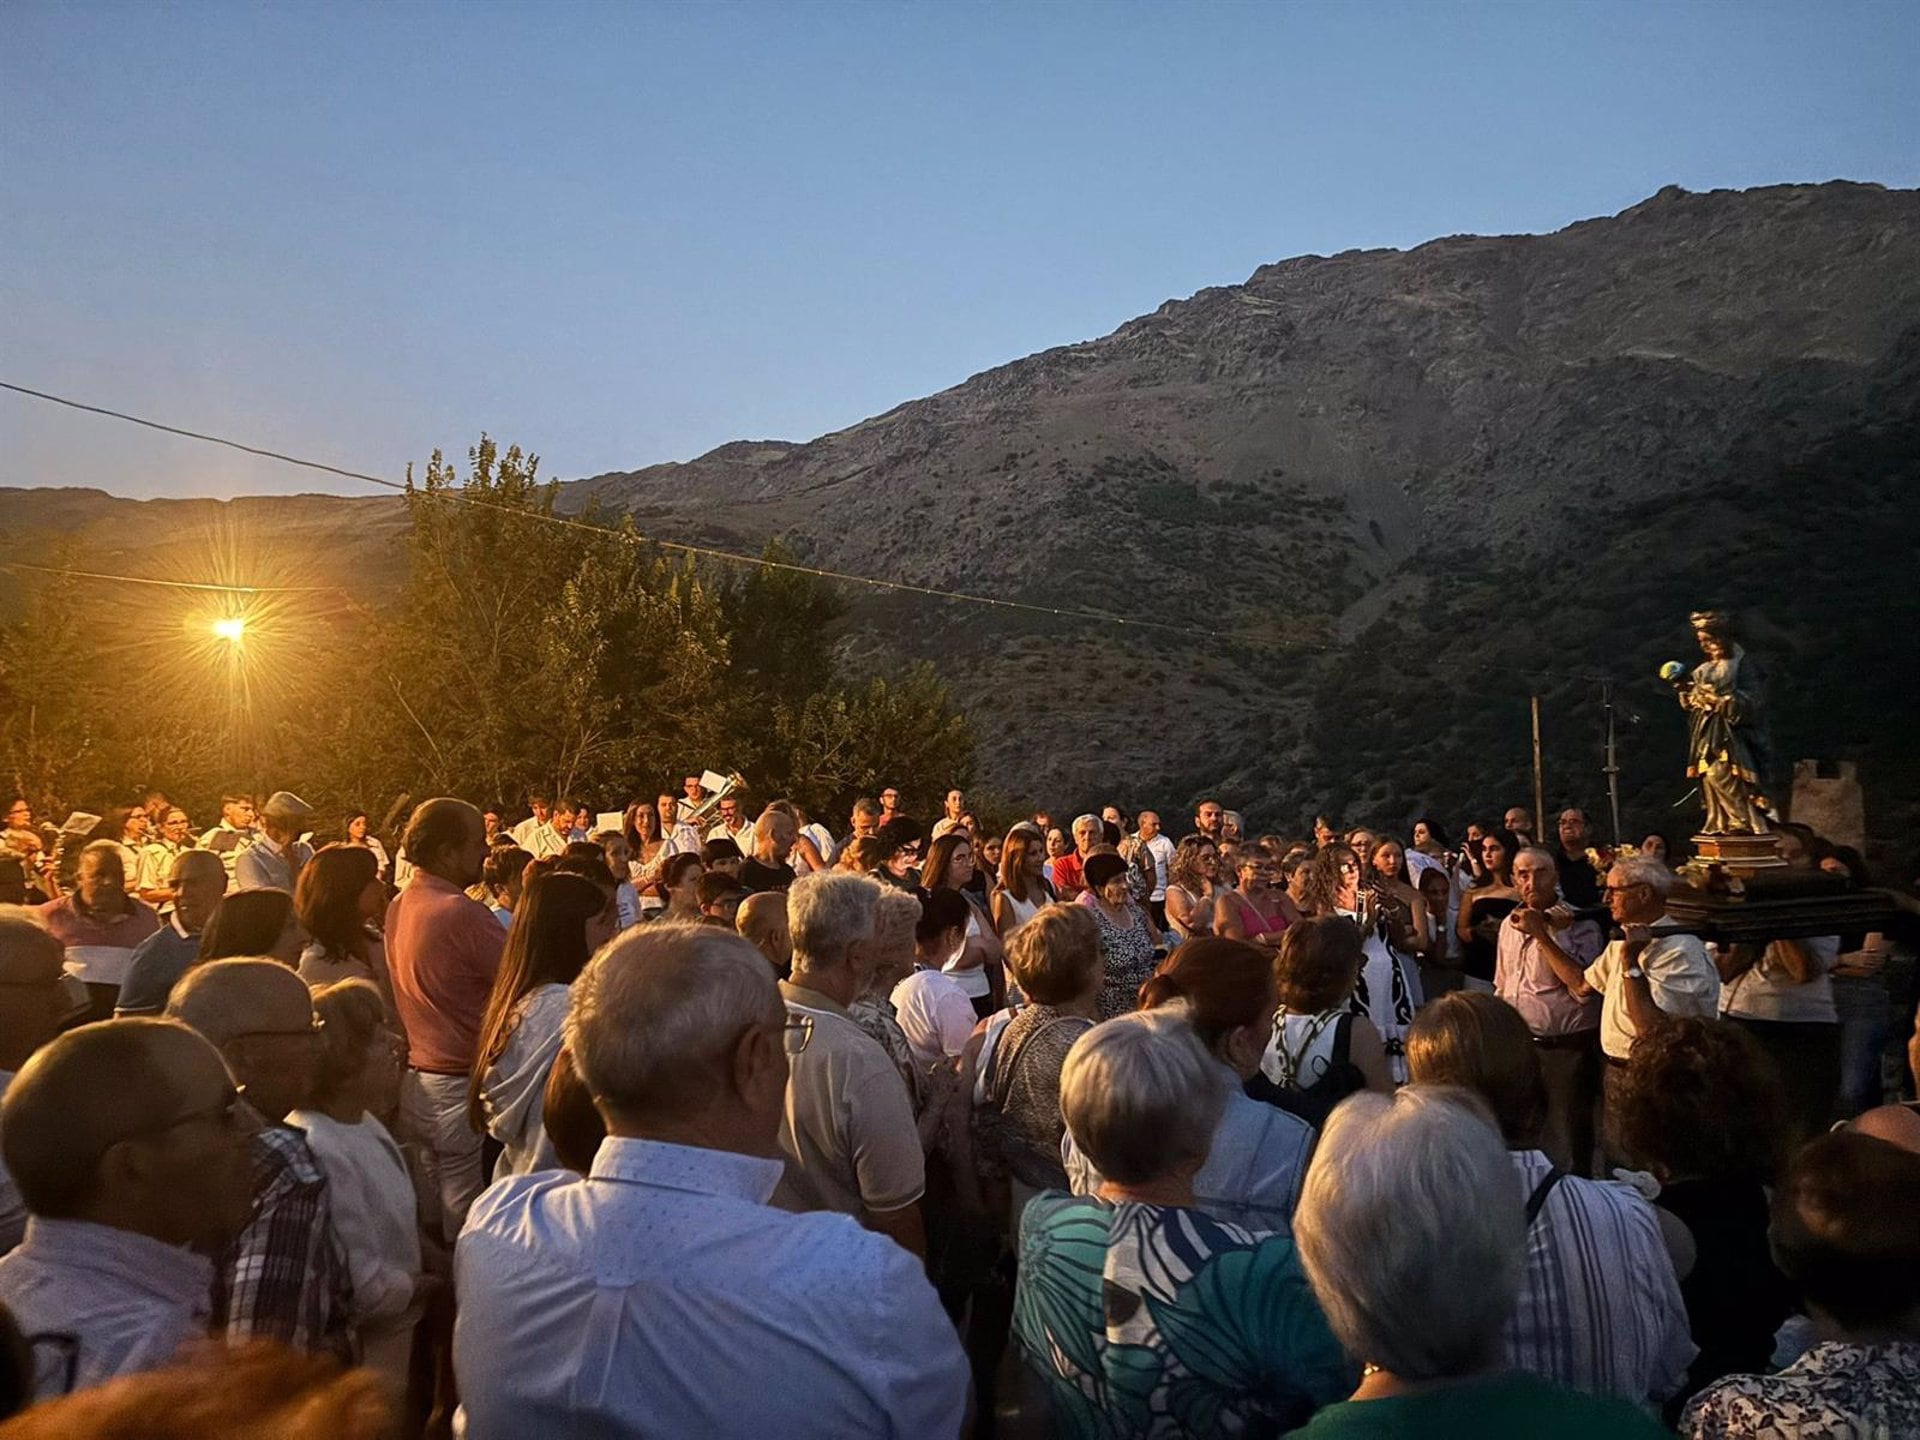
point(1131, 1301)
point(848, 1129)
point(1413, 1235)
point(662, 1294)
point(1644, 977)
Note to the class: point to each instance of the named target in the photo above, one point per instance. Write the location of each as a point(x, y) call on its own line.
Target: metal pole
point(1612, 767)
point(1539, 777)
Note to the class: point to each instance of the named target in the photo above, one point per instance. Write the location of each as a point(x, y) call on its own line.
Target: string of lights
point(1211, 637)
point(707, 552)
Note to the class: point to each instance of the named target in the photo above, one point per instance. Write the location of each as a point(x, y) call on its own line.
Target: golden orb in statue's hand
point(1673, 670)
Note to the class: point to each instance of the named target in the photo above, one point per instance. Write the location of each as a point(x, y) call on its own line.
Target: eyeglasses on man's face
point(231, 1111)
point(797, 1034)
point(1623, 889)
point(305, 1032)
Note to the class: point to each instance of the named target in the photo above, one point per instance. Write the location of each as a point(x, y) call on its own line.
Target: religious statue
point(1727, 749)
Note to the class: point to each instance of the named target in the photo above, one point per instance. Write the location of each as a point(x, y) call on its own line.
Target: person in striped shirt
point(1600, 1307)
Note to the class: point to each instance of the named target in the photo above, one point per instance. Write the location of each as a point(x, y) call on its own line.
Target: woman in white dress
point(370, 1191)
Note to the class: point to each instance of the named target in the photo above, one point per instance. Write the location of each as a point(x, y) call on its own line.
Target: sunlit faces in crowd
point(1389, 859)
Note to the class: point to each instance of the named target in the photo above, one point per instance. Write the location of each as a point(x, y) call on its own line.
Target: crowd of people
point(665, 1120)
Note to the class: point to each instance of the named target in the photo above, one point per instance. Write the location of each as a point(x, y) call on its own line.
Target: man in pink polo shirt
point(442, 952)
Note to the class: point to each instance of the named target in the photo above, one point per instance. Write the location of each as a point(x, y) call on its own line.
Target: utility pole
point(1539, 777)
point(1612, 768)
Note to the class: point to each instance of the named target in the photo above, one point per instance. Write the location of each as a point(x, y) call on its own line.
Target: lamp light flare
point(230, 627)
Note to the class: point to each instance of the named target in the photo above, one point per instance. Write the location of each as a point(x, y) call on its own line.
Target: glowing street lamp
point(230, 628)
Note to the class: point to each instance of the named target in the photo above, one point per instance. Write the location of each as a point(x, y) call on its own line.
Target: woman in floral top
point(1843, 1231)
point(1128, 938)
point(1141, 1315)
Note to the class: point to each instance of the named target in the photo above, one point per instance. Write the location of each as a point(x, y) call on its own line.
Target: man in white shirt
point(1644, 978)
point(539, 807)
point(953, 814)
point(732, 825)
point(552, 835)
point(1161, 849)
point(157, 856)
point(663, 1295)
point(235, 831)
point(275, 860)
point(128, 1141)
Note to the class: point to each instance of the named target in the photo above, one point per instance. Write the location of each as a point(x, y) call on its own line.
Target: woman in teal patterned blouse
point(1141, 1315)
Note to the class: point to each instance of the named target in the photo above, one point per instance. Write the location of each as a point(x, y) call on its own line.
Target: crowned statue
point(1727, 748)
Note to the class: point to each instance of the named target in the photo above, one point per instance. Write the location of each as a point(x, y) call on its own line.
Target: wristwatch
point(1634, 972)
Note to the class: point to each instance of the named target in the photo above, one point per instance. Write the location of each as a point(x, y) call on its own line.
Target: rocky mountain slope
point(1385, 496)
point(1371, 502)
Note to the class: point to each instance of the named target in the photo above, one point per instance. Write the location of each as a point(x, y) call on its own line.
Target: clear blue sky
point(618, 234)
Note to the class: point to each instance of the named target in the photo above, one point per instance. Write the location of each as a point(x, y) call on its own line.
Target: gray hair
point(655, 1011)
point(1645, 870)
point(829, 912)
point(1098, 825)
point(1140, 1094)
point(896, 911)
point(1411, 1231)
point(1539, 853)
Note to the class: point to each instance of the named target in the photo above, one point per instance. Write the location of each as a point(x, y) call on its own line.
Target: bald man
point(284, 1277)
point(197, 880)
point(128, 1141)
point(762, 923)
point(623, 1305)
point(36, 999)
point(442, 952)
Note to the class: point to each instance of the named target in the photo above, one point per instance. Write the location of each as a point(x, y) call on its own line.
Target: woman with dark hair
point(1843, 1234)
point(1402, 906)
point(980, 967)
point(503, 875)
point(256, 922)
point(1021, 888)
point(1128, 938)
point(1484, 907)
point(1700, 1106)
point(1430, 839)
point(1250, 910)
point(648, 854)
point(562, 920)
point(680, 884)
point(338, 898)
point(1192, 887)
point(1322, 1050)
point(1258, 1155)
point(355, 830)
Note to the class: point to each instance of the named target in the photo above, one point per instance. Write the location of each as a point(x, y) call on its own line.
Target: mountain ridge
point(1374, 464)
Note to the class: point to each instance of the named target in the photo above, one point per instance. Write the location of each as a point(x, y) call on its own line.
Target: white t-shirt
point(934, 1013)
point(1161, 848)
point(1680, 975)
point(1768, 992)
